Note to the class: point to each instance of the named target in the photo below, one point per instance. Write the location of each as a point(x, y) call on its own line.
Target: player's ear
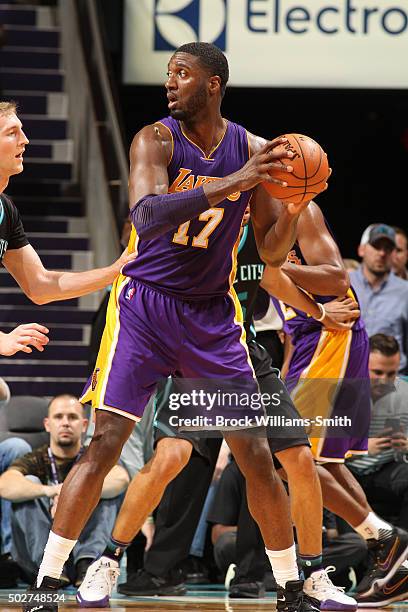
point(361, 250)
point(215, 84)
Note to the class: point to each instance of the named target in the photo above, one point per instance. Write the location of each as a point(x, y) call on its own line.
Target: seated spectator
point(400, 255)
point(4, 393)
point(383, 473)
point(383, 297)
point(34, 481)
point(10, 449)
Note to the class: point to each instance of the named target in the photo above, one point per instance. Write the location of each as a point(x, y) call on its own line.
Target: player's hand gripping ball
point(310, 171)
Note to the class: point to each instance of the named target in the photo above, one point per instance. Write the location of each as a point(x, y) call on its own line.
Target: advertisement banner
point(275, 43)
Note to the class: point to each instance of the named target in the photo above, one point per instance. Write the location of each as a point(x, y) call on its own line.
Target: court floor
point(211, 598)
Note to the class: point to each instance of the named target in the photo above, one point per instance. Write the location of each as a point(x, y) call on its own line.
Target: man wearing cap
point(383, 297)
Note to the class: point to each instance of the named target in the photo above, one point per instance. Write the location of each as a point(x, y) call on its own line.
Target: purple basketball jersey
point(197, 260)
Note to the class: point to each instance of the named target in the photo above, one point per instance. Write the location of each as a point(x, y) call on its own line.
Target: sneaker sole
point(100, 603)
point(384, 602)
point(330, 604)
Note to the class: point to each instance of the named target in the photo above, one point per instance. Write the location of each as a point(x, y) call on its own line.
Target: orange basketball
point(310, 171)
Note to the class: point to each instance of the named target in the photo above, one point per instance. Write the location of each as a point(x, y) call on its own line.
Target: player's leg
point(226, 361)
point(269, 506)
point(120, 387)
point(295, 456)
point(147, 487)
point(143, 495)
point(344, 477)
point(175, 523)
point(305, 501)
point(82, 490)
point(172, 453)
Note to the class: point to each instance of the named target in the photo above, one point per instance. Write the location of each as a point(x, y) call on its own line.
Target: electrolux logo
point(180, 21)
point(353, 17)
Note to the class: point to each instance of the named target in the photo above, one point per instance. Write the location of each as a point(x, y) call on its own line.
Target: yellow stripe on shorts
point(315, 394)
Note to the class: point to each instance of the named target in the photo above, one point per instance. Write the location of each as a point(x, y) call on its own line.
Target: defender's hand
point(342, 309)
point(124, 259)
point(22, 337)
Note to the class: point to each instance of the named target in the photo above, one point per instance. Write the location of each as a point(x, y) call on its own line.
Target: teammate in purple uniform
point(174, 310)
point(325, 360)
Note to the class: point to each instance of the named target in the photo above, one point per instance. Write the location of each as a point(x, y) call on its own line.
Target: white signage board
point(275, 43)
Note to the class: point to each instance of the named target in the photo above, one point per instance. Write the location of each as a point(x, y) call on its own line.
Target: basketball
point(310, 171)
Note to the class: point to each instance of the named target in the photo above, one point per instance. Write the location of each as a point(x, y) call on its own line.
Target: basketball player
point(315, 265)
point(184, 499)
point(173, 310)
point(19, 257)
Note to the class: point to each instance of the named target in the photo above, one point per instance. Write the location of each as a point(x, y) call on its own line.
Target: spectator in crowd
point(383, 473)
point(34, 481)
point(10, 449)
point(383, 297)
point(351, 264)
point(400, 255)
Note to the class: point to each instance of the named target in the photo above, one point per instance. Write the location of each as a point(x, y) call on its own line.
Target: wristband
point(154, 215)
point(322, 313)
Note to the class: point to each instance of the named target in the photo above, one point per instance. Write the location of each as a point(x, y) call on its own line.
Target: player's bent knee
point(172, 455)
point(298, 461)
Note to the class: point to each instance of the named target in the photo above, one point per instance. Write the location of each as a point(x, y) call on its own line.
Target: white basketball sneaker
point(320, 587)
point(98, 584)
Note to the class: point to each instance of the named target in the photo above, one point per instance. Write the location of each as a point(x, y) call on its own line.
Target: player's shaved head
point(211, 58)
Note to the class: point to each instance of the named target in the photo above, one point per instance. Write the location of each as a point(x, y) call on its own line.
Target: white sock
point(56, 553)
point(283, 563)
point(373, 527)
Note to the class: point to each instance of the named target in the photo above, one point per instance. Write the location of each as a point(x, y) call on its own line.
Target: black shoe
point(144, 583)
point(292, 598)
point(195, 571)
point(48, 590)
point(81, 568)
point(384, 558)
point(239, 588)
point(396, 589)
point(9, 572)
point(270, 582)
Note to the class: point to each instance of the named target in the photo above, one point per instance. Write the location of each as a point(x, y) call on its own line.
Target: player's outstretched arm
point(278, 284)
point(43, 286)
point(154, 211)
point(325, 273)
